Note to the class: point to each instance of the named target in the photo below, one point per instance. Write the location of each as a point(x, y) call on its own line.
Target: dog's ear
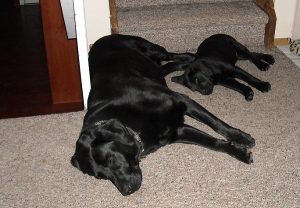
point(81, 157)
point(178, 79)
point(86, 148)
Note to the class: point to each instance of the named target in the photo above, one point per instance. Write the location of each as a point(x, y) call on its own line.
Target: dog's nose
point(129, 189)
point(132, 186)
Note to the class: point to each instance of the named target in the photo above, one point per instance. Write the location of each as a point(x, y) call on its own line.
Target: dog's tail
point(182, 57)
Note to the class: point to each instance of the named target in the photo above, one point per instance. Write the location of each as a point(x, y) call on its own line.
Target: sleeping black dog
point(215, 64)
point(132, 112)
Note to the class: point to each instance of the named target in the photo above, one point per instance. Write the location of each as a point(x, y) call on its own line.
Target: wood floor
point(24, 82)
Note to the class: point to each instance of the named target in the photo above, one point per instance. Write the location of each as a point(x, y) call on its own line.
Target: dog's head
point(196, 79)
point(109, 150)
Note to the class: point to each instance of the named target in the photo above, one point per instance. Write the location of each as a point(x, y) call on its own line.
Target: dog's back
point(130, 50)
point(115, 65)
point(219, 46)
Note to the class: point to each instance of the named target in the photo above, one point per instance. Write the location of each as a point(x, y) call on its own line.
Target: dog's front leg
point(189, 135)
point(261, 60)
point(253, 81)
point(233, 135)
point(237, 86)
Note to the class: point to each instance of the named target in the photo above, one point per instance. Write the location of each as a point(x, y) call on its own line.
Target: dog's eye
point(196, 80)
point(113, 163)
point(110, 160)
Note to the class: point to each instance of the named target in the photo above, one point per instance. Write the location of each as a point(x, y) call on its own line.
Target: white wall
point(296, 28)
point(97, 19)
point(92, 22)
point(285, 11)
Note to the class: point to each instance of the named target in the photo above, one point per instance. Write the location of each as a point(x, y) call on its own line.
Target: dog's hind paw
point(263, 61)
point(264, 86)
point(241, 153)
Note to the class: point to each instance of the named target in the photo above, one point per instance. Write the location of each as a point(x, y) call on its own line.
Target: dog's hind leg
point(253, 81)
point(190, 135)
point(242, 51)
point(199, 113)
point(237, 86)
point(261, 60)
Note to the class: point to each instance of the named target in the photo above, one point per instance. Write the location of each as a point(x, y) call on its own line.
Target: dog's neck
point(135, 134)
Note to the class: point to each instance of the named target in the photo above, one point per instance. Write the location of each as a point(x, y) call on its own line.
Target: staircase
point(180, 25)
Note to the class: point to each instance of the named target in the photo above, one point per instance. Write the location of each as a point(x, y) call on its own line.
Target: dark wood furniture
point(39, 71)
point(62, 55)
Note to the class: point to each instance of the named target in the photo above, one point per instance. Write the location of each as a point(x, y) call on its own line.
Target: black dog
point(215, 64)
point(132, 112)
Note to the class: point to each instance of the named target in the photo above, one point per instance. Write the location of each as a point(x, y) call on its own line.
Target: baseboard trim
point(281, 41)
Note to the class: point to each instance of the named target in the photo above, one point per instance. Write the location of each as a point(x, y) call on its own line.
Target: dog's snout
point(131, 188)
point(127, 190)
point(132, 185)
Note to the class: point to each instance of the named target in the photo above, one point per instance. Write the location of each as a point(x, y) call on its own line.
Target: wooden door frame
point(113, 16)
point(268, 7)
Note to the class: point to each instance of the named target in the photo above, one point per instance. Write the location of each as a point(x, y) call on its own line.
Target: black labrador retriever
point(215, 64)
point(132, 112)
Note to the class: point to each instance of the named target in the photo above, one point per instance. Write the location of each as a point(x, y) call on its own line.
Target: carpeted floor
point(180, 25)
point(35, 151)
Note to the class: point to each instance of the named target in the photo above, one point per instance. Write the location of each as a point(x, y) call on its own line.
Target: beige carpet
point(180, 25)
point(35, 151)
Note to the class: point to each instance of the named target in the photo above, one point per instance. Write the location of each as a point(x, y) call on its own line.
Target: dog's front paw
point(249, 95)
point(241, 139)
point(264, 86)
point(241, 153)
